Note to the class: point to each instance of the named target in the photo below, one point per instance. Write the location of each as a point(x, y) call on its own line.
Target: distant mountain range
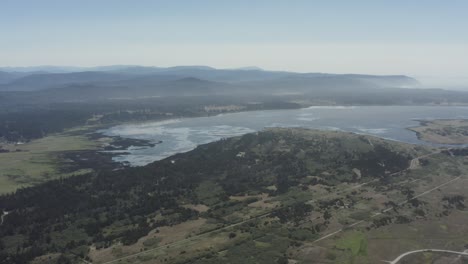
point(47, 84)
point(187, 90)
point(186, 78)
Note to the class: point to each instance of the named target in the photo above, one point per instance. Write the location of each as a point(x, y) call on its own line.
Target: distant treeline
point(23, 123)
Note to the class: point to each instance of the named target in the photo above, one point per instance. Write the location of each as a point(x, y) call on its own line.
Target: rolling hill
point(137, 75)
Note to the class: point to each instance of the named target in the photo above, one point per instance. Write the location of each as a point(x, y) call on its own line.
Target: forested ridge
point(68, 215)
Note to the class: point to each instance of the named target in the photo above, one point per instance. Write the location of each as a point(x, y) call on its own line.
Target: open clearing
point(443, 131)
point(364, 197)
point(358, 240)
point(37, 161)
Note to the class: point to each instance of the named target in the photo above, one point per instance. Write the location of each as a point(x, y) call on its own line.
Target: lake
point(181, 135)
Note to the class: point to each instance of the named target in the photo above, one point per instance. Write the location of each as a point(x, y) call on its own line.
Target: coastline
point(428, 128)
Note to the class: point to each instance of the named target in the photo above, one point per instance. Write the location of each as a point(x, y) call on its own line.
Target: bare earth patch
point(197, 207)
point(242, 198)
point(265, 202)
point(166, 235)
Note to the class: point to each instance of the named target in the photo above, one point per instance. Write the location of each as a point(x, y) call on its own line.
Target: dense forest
point(24, 122)
point(24, 117)
point(69, 215)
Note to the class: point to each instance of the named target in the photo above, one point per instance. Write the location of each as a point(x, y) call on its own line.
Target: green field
point(37, 160)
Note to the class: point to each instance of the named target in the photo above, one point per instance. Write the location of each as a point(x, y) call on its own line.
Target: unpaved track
point(395, 261)
point(4, 213)
point(386, 210)
point(214, 230)
point(410, 166)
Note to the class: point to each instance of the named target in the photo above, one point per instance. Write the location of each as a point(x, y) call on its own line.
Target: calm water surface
point(182, 135)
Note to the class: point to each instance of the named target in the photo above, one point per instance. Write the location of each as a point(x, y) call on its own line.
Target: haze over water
point(183, 135)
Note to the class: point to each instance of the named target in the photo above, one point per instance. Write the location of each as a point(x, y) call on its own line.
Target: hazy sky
point(422, 38)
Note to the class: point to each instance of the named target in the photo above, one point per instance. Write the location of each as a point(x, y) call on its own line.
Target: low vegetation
point(272, 204)
point(443, 131)
point(30, 163)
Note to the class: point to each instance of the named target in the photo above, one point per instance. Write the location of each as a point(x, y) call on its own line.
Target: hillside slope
point(215, 185)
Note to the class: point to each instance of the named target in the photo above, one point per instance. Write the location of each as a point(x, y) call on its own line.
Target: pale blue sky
point(421, 37)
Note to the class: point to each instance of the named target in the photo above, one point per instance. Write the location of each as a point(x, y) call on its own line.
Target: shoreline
point(386, 137)
point(428, 128)
point(106, 150)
